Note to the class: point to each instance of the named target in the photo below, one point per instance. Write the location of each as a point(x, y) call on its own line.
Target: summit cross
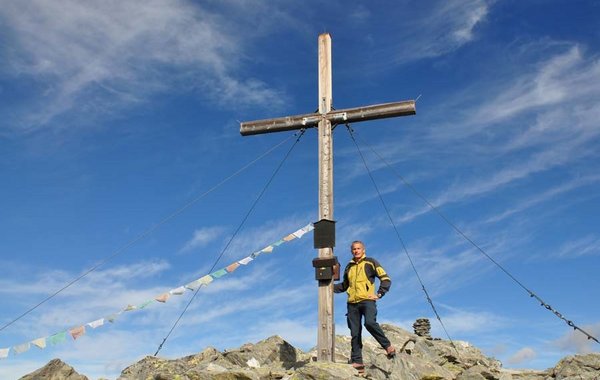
point(323, 120)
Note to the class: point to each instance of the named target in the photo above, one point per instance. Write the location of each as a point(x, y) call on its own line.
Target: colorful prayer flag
point(177, 291)
point(40, 343)
point(21, 348)
point(77, 332)
point(96, 323)
point(219, 273)
point(232, 267)
point(57, 338)
point(245, 260)
point(268, 249)
point(163, 297)
point(289, 237)
point(205, 280)
point(193, 285)
point(303, 230)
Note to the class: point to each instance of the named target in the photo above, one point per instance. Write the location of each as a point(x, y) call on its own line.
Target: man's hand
point(373, 298)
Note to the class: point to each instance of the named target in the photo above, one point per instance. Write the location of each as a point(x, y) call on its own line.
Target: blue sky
point(116, 114)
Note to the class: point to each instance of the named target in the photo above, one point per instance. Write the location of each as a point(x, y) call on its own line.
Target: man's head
point(358, 249)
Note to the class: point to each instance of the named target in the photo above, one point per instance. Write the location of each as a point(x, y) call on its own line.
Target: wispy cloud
point(578, 342)
point(98, 58)
point(202, 237)
point(46, 281)
point(542, 197)
point(100, 293)
point(566, 76)
point(524, 355)
point(585, 246)
point(442, 29)
point(553, 112)
point(460, 322)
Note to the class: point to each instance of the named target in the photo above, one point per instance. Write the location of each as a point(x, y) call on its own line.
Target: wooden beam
point(326, 328)
point(311, 120)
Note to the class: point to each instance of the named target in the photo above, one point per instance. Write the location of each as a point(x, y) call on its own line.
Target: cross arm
point(348, 115)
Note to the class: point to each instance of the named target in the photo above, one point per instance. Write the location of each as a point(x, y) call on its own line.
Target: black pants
point(356, 311)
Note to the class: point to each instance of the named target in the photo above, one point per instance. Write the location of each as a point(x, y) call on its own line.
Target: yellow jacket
point(359, 280)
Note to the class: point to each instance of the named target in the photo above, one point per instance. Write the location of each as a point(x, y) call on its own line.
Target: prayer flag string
point(78, 331)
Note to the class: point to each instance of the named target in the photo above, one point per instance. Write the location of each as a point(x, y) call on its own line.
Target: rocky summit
point(418, 358)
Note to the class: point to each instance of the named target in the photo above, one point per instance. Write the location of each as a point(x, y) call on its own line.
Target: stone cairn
point(422, 327)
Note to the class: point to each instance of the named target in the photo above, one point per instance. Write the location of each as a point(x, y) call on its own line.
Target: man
point(359, 283)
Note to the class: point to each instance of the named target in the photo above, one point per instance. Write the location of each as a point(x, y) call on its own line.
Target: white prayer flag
point(96, 323)
point(268, 249)
point(21, 348)
point(303, 230)
point(245, 260)
point(177, 291)
point(194, 285)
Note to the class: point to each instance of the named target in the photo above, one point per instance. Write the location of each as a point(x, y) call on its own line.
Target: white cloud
point(202, 237)
point(460, 321)
point(442, 29)
point(107, 279)
point(566, 76)
point(525, 354)
point(97, 58)
point(474, 12)
point(576, 341)
point(542, 197)
point(587, 245)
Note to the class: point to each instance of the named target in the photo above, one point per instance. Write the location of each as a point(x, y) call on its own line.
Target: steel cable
point(429, 300)
point(146, 233)
point(459, 231)
point(299, 134)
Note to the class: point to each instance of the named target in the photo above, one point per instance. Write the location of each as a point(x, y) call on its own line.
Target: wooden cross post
point(324, 120)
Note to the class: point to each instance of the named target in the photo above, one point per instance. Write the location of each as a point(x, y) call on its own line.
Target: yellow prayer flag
point(205, 280)
point(289, 237)
point(40, 343)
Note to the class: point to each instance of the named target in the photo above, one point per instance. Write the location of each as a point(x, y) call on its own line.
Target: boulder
point(56, 369)
point(272, 352)
point(578, 367)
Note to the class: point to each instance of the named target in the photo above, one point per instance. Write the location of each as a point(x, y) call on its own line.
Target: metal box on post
point(324, 234)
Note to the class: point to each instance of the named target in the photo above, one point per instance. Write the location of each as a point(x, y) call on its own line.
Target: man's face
point(358, 251)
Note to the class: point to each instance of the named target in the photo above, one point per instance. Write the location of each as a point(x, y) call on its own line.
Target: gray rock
point(56, 369)
point(272, 352)
point(417, 358)
point(318, 371)
point(579, 367)
point(422, 327)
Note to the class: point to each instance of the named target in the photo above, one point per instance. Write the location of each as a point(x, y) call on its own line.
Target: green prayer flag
point(57, 338)
point(219, 273)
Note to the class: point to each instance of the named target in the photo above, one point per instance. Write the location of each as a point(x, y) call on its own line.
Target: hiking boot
point(360, 367)
point(390, 351)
